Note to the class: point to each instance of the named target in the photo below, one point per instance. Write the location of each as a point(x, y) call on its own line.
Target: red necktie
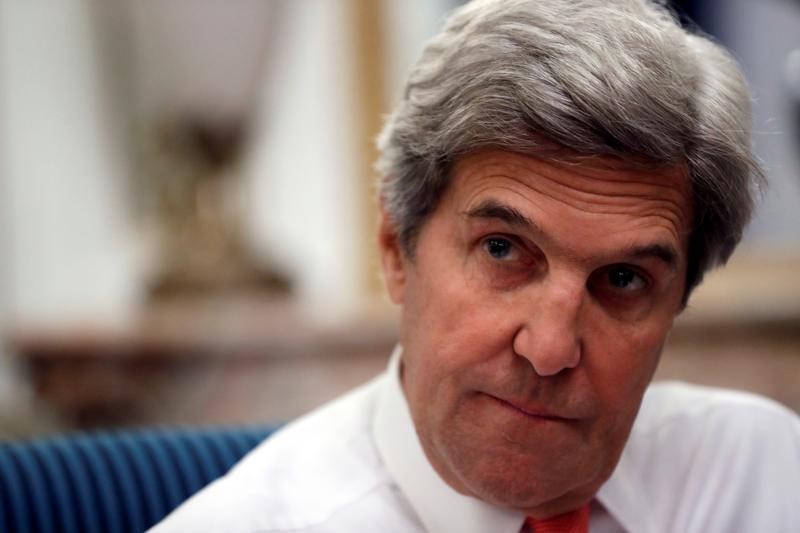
point(576, 521)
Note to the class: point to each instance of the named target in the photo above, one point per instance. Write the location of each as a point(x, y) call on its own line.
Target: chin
point(534, 497)
point(525, 482)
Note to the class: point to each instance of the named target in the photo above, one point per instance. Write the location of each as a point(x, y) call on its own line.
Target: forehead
point(595, 199)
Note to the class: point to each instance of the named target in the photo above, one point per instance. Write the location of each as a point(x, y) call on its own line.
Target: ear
point(393, 260)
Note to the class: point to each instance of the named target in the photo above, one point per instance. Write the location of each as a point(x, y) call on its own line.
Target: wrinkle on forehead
point(595, 178)
point(595, 187)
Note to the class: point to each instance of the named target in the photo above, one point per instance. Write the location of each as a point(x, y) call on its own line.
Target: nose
point(548, 336)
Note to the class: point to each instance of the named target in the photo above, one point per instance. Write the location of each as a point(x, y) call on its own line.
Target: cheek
point(619, 375)
point(443, 343)
point(621, 366)
point(448, 313)
point(451, 335)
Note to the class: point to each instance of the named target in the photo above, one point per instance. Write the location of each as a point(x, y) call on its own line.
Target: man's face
point(534, 311)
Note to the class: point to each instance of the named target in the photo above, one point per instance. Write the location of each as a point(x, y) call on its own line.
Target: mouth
point(531, 411)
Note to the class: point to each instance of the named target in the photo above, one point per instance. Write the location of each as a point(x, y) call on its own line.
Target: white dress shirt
point(698, 460)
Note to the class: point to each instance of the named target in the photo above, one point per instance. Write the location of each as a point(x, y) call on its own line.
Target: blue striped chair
point(108, 482)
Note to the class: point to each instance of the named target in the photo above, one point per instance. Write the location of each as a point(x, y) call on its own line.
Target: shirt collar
point(439, 507)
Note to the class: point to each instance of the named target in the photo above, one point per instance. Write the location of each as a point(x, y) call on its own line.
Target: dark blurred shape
point(191, 163)
point(692, 14)
point(200, 69)
point(199, 360)
point(219, 143)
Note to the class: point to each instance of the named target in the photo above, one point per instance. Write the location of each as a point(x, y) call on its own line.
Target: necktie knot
point(576, 521)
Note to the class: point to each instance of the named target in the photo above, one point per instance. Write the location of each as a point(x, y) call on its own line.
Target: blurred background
point(187, 208)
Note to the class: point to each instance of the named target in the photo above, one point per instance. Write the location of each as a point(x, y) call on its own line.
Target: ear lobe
point(392, 257)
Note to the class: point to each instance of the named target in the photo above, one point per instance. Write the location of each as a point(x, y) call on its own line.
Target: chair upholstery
point(123, 481)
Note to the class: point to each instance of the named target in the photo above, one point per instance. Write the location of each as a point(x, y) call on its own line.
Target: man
point(557, 179)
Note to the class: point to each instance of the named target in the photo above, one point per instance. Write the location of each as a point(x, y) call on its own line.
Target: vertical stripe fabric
point(109, 482)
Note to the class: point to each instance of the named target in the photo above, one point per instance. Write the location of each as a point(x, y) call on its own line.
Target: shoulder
point(682, 424)
point(693, 412)
point(698, 450)
point(298, 479)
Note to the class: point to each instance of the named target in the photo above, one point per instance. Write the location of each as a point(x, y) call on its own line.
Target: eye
point(506, 260)
point(619, 280)
point(500, 248)
point(625, 279)
point(625, 291)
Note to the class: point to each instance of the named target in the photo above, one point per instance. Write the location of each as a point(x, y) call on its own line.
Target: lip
point(532, 411)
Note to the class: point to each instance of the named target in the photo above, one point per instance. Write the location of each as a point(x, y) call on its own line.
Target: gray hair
point(617, 78)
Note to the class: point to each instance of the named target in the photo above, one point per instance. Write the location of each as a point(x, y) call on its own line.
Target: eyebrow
point(664, 252)
point(509, 215)
point(492, 209)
